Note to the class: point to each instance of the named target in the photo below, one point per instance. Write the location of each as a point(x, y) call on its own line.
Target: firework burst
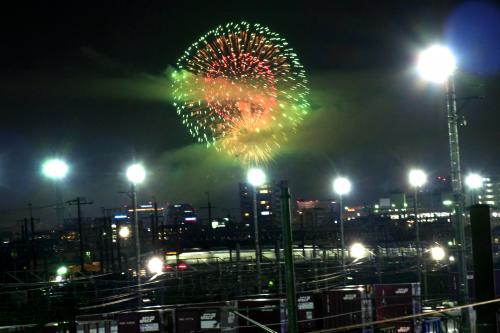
point(241, 89)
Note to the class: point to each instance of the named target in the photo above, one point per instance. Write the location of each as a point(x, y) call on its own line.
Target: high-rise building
point(178, 214)
point(268, 203)
point(490, 192)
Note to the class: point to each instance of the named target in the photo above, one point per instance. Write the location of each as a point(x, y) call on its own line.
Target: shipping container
point(397, 300)
point(154, 321)
point(307, 312)
point(346, 307)
point(96, 323)
point(269, 312)
point(211, 319)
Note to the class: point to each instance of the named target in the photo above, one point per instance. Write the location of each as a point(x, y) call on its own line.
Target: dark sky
point(85, 81)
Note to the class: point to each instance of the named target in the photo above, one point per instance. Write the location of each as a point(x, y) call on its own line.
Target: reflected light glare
point(342, 185)
point(55, 169)
point(136, 173)
point(417, 178)
point(256, 177)
point(436, 64)
point(474, 181)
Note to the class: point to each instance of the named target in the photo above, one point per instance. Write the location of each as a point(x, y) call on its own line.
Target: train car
point(347, 307)
point(397, 300)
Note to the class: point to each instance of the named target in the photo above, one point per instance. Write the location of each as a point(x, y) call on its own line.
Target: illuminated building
point(312, 213)
point(268, 204)
point(179, 214)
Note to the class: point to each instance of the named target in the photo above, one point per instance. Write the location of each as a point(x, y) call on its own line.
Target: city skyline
point(82, 94)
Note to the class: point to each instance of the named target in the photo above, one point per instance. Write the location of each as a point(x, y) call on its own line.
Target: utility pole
point(257, 241)
point(417, 237)
point(289, 264)
point(79, 201)
point(137, 244)
point(25, 230)
point(33, 250)
point(342, 240)
point(209, 207)
point(156, 226)
point(456, 182)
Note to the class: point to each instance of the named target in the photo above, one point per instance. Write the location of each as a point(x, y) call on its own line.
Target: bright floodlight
point(417, 178)
point(342, 185)
point(155, 265)
point(436, 64)
point(358, 251)
point(55, 169)
point(437, 253)
point(136, 173)
point(124, 232)
point(474, 181)
point(256, 177)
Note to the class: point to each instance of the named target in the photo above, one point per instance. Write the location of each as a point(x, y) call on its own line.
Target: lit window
point(264, 191)
point(247, 214)
point(263, 202)
point(265, 212)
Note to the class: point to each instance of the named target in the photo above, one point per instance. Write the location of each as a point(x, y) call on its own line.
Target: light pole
point(136, 175)
point(56, 169)
point(437, 64)
point(342, 186)
point(417, 179)
point(473, 182)
point(256, 178)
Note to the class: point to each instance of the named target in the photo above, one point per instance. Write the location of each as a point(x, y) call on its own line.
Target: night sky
point(86, 82)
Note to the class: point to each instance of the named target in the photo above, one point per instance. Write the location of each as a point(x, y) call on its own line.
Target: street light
point(63, 270)
point(136, 175)
point(437, 64)
point(56, 170)
point(437, 253)
point(358, 251)
point(342, 186)
point(473, 182)
point(256, 178)
point(155, 265)
point(417, 178)
point(124, 232)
